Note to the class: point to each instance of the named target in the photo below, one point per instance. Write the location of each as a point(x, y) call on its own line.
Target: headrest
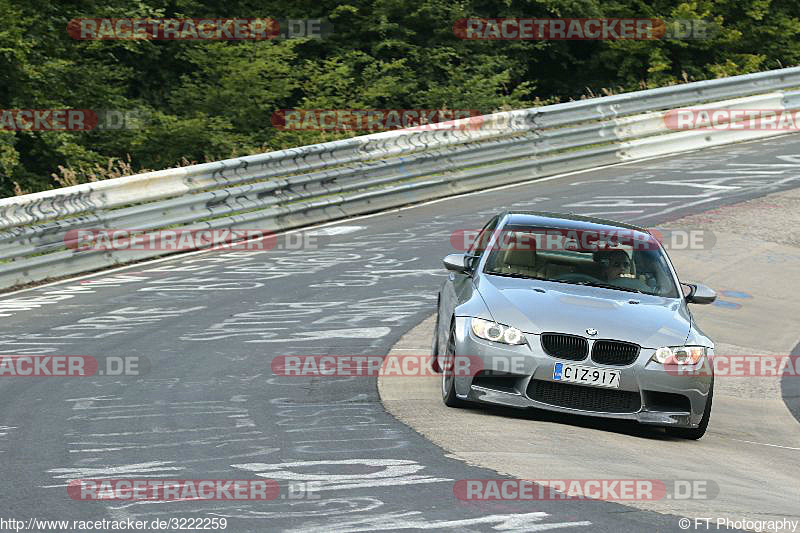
point(523, 258)
point(606, 257)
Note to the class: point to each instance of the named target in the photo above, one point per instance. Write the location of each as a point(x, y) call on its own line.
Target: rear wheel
point(699, 431)
point(448, 375)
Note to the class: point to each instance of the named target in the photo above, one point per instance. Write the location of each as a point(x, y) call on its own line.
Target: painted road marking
point(335, 230)
point(767, 444)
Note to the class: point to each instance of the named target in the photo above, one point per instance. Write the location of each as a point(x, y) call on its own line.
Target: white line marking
point(767, 444)
point(671, 209)
point(763, 165)
point(635, 211)
point(650, 195)
point(730, 171)
point(698, 185)
point(336, 230)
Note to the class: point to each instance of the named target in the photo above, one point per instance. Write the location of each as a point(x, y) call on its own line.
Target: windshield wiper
point(604, 286)
point(584, 283)
point(513, 275)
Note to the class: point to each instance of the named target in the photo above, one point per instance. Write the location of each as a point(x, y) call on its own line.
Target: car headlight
point(492, 331)
point(680, 355)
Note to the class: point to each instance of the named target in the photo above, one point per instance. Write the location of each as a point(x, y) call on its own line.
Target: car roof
point(566, 220)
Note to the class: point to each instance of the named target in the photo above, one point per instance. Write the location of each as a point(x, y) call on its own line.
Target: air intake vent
point(584, 398)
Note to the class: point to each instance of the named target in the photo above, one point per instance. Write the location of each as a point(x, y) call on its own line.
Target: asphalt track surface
point(210, 406)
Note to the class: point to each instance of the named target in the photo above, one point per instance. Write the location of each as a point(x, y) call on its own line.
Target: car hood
point(535, 306)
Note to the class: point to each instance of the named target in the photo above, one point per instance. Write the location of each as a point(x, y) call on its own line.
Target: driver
point(613, 264)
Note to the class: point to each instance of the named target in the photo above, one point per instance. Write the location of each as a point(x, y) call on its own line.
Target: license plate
point(586, 375)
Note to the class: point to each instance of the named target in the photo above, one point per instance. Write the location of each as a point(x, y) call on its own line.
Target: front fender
point(474, 306)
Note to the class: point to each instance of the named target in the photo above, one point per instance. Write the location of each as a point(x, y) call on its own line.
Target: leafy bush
point(207, 100)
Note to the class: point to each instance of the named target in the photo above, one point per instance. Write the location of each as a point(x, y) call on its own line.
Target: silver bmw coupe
point(576, 315)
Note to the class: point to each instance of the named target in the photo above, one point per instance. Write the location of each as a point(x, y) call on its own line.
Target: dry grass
point(115, 168)
point(18, 190)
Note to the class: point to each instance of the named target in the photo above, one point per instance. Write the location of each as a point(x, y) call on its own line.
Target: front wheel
point(448, 372)
point(699, 431)
point(435, 347)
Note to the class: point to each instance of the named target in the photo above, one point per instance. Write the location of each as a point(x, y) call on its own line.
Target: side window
point(482, 241)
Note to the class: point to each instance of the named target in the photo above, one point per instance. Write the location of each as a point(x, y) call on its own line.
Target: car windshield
point(618, 259)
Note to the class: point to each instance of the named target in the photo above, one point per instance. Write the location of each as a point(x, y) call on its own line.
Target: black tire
point(448, 379)
point(699, 431)
point(435, 345)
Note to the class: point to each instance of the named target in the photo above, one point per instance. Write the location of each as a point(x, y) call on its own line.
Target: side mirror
point(699, 293)
point(457, 262)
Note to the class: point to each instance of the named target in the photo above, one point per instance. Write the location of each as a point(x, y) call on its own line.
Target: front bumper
point(516, 371)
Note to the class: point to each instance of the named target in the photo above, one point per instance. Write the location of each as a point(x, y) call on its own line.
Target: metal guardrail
point(301, 186)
